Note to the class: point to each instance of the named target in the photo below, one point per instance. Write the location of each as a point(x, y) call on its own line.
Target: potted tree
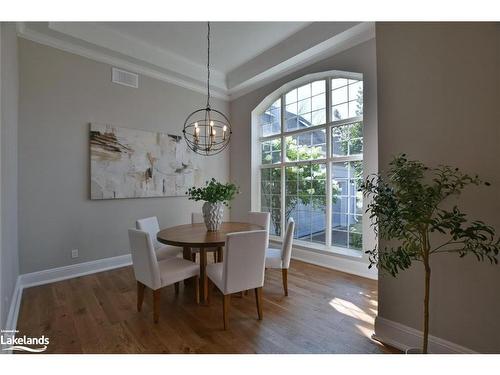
point(409, 207)
point(216, 195)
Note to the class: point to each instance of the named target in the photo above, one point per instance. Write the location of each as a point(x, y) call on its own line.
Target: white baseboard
point(15, 304)
point(338, 263)
point(403, 337)
point(74, 270)
point(57, 274)
point(387, 331)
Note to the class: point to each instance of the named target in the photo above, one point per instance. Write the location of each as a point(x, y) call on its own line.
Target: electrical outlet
point(74, 253)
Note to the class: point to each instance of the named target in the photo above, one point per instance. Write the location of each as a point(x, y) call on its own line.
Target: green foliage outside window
point(305, 180)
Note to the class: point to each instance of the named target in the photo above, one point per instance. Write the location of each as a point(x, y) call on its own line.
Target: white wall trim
point(74, 270)
point(336, 262)
point(403, 337)
point(190, 79)
point(104, 36)
point(86, 268)
point(35, 36)
point(336, 44)
point(387, 331)
point(15, 304)
point(338, 259)
point(57, 274)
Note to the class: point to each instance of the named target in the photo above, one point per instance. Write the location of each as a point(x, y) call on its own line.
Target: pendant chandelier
point(207, 131)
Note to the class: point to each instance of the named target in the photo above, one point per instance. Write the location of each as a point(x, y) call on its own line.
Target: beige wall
point(9, 260)
point(438, 101)
point(60, 94)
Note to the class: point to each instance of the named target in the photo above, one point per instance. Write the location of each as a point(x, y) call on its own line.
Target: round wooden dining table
point(196, 236)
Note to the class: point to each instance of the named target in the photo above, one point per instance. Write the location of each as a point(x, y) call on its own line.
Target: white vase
point(213, 214)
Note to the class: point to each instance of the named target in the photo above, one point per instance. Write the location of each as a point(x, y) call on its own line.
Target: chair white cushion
point(166, 251)
point(173, 270)
point(150, 225)
point(243, 265)
point(261, 218)
point(287, 243)
point(144, 259)
point(273, 258)
point(214, 273)
point(280, 258)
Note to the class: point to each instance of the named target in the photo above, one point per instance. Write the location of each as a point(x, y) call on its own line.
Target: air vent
point(122, 77)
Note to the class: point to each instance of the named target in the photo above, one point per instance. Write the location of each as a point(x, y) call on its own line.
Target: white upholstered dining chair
point(264, 220)
point(154, 274)
point(280, 258)
point(241, 269)
point(260, 218)
point(150, 225)
point(197, 218)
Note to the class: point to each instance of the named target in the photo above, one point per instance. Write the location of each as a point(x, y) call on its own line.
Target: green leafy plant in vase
point(410, 208)
point(216, 195)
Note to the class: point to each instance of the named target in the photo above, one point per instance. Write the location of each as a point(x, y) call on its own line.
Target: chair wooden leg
point(258, 301)
point(225, 310)
point(215, 256)
point(176, 285)
point(284, 274)
point(156, 305)
point(197, 289)
point(140, 295)
point(219, 255)
point(193, 257)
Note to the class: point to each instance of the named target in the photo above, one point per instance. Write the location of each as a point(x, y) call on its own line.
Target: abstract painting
point(128, 163)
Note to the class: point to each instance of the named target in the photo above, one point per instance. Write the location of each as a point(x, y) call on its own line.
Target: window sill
point(323, 249)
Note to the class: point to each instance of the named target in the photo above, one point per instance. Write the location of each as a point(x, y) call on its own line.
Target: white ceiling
point(232, 43)
point(244, 55)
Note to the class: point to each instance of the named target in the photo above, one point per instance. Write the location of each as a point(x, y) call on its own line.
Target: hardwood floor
point(326, 312)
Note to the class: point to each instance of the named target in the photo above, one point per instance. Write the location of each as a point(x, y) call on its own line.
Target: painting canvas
point(129, 163)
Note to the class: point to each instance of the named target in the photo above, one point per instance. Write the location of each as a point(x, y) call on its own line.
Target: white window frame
point(257, 157)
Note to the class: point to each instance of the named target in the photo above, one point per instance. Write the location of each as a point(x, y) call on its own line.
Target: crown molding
point(23, 31)
point(353, 36)
point(79, 40)
point(113, 40)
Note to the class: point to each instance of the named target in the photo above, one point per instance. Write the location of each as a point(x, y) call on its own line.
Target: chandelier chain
point(208, 65)
point(207, 131)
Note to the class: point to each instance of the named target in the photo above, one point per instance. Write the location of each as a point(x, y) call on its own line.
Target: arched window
point(310, 156)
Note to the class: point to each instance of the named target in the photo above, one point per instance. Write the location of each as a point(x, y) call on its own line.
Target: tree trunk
point(426, 304)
